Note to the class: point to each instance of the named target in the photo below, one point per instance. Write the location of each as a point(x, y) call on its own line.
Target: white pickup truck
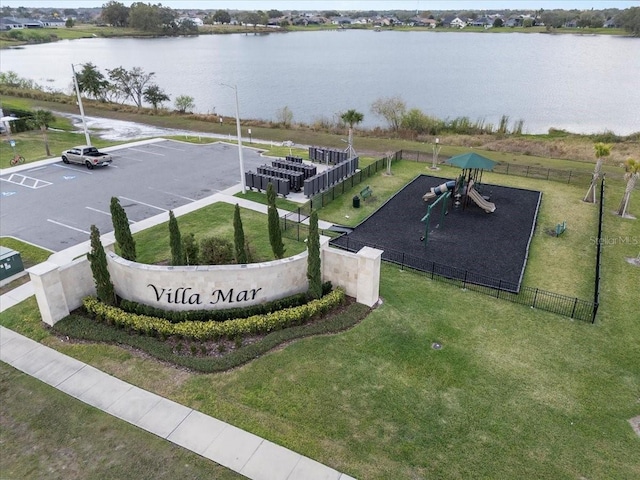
point(86, 155)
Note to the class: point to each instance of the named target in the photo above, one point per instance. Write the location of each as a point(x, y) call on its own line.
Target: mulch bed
point(490, 247)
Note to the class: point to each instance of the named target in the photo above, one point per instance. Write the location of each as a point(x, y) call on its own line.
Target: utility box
point(356, 202)
point(10, 263)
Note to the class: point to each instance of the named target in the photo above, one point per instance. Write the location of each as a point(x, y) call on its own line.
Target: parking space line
point(79, 170)
point(67, 226)
point(145, 204)
point(103, 212)
point(169, 148)
point(24, 181)
point(173, 194)
point(145, 151)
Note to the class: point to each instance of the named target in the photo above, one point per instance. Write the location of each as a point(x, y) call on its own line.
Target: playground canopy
point(471, 161)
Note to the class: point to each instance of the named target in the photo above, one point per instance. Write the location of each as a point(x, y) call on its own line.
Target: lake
point(580, 83)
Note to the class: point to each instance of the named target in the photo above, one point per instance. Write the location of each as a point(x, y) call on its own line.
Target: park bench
point(560, 228)
point(366, 192)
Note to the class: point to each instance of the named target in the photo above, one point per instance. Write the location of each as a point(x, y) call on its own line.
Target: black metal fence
point(599, 241)
point(571, 307)
point(529, 171)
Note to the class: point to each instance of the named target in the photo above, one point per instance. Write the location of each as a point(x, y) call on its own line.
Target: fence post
point(548, 171)
point(575, 304)
point(507, 172)
point(402, 264)
point(535, 297)
point(527, 175)
point(464, 282)
point(499, 288)
point(569, 180)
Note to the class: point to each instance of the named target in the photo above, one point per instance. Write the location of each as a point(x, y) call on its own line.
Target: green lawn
point(152, 245)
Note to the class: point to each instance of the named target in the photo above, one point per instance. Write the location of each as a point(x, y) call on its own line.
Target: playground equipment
point(478, 199)
point(439, 190)
point(427, 218)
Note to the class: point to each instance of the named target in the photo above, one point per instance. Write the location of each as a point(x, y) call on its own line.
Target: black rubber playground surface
point(485, 248)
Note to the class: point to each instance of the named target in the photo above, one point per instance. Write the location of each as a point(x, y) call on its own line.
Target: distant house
point(513, 22)
point(453, 22)
point(611, 23)
point(9, 24)
point(425, 22)
point(29, 22)
point(457, 23)
point(571, 24)
point(196, 21)
point(482, 22)
point(343, 21)
point(53, 22)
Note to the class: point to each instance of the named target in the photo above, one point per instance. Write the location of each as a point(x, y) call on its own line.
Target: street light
point(242, 181)
point(436, 151)
point(84, 123)
point(250, 136)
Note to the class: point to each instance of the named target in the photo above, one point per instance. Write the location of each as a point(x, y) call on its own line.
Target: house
point(9, 24)
point(29, 22)
point(482, 22)
point(457, 23)
point(611, 23)
point(425, 22)
point(196, 21)
point(513, 22)
point(571, 24)
point(53, 22)
point(453, 22)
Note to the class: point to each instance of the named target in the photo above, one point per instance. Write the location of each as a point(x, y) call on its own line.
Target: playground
point(492, 247)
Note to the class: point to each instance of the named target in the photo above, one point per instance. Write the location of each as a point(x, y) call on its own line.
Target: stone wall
point(61, 288)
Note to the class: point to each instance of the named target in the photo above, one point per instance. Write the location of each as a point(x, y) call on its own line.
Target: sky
point(344, 4)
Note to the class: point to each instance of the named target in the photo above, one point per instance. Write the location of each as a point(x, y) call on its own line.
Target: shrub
point(177, 255)
point(190, 249)
point(200, 331)
point(216, 251)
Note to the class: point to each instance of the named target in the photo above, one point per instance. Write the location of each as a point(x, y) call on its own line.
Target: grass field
point(514, 392)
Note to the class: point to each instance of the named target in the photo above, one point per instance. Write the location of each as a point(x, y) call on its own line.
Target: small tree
point(238, 237)
point(284, 117)
point(98, 260)
point(177, 254)
point(602, 150)
point(632, 169)
point(351, 117)
point(42, 119)
point(392, 109)
point(275, 234)
point(184, 103)
point(155, 96)
point(69, 23)
point(314, 272)
point(190, 249)
point(122, 232)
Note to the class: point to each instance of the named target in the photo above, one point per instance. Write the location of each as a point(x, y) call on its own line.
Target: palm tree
point(602, 150)
point(352, 117)
point(42, 119)
point(632, 169)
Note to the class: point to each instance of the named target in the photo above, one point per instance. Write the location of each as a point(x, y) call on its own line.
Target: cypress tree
point(124, 239)
point(177, 254)
point(238, 237)
point(98, 260)
point(314, 272)
point(275, 235)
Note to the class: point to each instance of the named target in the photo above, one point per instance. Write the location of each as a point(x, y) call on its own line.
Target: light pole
point(84, 123)
point(436, 151)
point(250, 136)
point(242, 181)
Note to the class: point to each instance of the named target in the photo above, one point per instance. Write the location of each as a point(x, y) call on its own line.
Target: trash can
point(10, 263)
point(356, 202)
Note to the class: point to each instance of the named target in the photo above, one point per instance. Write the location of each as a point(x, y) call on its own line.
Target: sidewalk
point(218, 441)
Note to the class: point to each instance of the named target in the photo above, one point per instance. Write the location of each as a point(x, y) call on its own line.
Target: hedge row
point(178, 316)
point(256, 324)
point(84, 328)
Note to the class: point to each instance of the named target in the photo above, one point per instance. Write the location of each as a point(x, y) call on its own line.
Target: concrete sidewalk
point(218, 441)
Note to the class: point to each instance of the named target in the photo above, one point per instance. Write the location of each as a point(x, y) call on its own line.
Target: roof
point(471, 160)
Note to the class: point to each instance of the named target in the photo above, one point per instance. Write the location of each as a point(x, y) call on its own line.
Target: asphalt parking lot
point(54, 205)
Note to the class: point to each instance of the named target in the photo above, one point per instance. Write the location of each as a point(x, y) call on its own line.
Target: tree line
point(146, 17)
point(123, 85)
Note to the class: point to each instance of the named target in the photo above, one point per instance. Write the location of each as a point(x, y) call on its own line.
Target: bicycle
point(16, 160)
